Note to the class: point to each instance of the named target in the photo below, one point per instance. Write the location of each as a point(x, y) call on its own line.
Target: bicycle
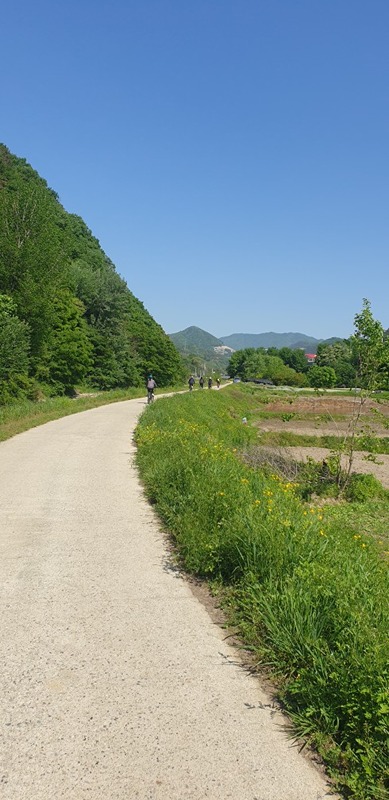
point(150, 396)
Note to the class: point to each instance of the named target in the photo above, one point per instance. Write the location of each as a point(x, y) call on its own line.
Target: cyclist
point(150, 385)
point(218, 382)
point(210, 382)
point(201, 382)
point(191, 382)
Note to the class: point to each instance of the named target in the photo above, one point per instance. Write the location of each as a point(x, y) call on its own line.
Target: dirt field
point(328, 404)
point(312, 427)
point(330, 416)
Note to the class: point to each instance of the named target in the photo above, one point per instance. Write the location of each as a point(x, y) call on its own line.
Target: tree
point(14, 341)
point(295, 359)
point(48, 257)
point(322, 377)
point(341, 357)
point(14, 351)
point(68, 347)
point(371, 348)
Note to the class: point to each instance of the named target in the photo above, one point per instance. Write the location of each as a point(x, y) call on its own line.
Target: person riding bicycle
point(191, 383)
point(210, 382)
point(150, 385)
point(201, 382)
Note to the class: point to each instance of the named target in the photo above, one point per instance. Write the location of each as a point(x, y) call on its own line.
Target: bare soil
point(328, 404)
point(312, 427)
point(380, 468)
point(314, 409)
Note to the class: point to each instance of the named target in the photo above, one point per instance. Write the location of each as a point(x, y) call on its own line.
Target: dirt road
point(115, 683)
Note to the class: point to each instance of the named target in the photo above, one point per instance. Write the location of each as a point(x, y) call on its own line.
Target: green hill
point(197, 348)
point(65, 314)
point(195, 340)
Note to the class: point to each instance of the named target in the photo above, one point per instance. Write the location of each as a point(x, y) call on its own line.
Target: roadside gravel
point(115, 682)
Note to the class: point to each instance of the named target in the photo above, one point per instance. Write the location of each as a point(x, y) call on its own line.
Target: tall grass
point(310, 596)
point(369, 444)
point(25, 414)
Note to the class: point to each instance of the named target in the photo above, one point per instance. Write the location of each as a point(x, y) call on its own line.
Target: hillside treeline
point(66, 316)
point(337, 364)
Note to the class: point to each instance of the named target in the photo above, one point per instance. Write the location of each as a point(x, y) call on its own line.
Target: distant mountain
point(239, 341)
point(195, 340)
point(201, 352)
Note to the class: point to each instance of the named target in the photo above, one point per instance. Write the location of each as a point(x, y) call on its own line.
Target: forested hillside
point(195, 340)
point(65, 314)
point(241, 341)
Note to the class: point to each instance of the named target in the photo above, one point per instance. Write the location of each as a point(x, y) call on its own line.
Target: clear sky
point(231, 156)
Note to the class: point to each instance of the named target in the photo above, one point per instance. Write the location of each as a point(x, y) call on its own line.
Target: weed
point(308, 592)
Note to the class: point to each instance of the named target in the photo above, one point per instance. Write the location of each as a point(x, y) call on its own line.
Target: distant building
point(311, 357)
point(223, 350)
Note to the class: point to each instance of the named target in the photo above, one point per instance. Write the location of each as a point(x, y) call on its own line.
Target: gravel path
point(115, 683)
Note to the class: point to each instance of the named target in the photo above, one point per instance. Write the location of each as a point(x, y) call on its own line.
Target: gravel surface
point(115, 682)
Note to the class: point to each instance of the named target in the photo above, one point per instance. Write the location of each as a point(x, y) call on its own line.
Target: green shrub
point(17, 388)
point(362, 488)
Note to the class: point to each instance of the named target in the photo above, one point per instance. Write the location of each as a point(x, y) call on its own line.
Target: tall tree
point(371, 349)
point(66, 289)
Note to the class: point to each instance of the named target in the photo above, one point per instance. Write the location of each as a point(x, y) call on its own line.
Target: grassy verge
point(22, 416)
point(370, 518)
point(308, 591)
point(366, 444)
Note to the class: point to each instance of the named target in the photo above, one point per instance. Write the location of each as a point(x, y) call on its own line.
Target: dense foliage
point(65, 313)
point(308, 592)
point(361, 360)
point(274, 365)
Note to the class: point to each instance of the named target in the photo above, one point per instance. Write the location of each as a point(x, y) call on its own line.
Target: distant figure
point(244, 420)
point(210, 383)
point(191, 382)
point(201, 382)
point(150, 385)
point(218, 382)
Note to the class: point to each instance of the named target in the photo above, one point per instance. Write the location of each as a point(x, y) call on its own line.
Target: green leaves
point(371, 349)
point(14, 345)
point(70, 316)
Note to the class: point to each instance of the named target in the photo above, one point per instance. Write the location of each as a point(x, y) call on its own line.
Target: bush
point(362, 488)
point(19, 387)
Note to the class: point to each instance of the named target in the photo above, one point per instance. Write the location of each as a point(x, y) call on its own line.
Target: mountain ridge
point(195, 340)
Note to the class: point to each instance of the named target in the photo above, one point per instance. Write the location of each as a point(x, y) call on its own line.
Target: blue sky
point(231, 157)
